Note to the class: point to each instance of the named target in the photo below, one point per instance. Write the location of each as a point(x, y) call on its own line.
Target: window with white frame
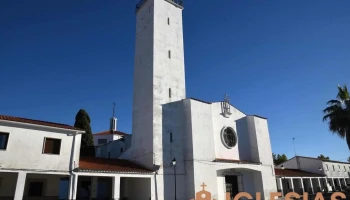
point(4, 137)
point(333, 168)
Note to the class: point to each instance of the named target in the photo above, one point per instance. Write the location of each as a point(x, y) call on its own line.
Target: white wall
point(219, 121)
point(108, 137)
point(254, 133)
point(154, 74)
point(337, 172)
point(25, 149)
point(113, 149)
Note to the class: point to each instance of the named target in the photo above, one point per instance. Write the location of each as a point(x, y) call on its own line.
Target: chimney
point(113, 124)
point(113, 121)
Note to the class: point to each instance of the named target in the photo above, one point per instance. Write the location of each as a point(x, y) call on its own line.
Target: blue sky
point(278, 59)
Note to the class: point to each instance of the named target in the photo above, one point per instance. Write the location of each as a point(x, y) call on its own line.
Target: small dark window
point(35, 189)
point(169, 92)
point(169, 54)
point(168, 21)
point(52, 146)
point(4, 137)
point(121, 150)
point(171, 137)
point(109, 154)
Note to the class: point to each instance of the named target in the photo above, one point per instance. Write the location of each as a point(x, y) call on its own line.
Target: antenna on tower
point(113, 109)
point(113, 121)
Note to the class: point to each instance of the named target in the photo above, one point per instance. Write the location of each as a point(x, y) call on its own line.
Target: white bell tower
point(159, 75)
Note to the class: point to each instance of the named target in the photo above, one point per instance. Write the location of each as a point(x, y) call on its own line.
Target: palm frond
point(334, 102)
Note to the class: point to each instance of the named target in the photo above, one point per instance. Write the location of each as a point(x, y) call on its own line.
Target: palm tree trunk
point(348, 137)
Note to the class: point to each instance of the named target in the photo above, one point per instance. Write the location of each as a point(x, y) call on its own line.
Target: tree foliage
point(337, 113)
point(82, 121)
point(349, 159)
point(278, 159)
point(322, 157)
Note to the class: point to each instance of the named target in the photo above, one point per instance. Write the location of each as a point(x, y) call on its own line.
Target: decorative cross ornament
point(203, 186)
point(226, 106)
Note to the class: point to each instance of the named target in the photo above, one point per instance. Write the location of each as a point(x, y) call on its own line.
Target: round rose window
point(228, 137)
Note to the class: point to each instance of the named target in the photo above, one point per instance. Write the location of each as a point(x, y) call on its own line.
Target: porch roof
point(110, 165)
point(223, 160)
point(295, 173)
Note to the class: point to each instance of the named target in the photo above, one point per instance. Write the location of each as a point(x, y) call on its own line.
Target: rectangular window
point(339, 167)
point(52, 146)
point(35, 189)
point(344, 169)
point(171, 137)
point(169, 54)
point(326, 167)
point(168, 21)
point(333, 168)
point(169, 92)
point(4, 137)
point(102, 141)
point(121, 150)
point(109, 154)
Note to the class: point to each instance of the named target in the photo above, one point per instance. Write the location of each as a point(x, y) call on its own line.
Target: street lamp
point(283, 180)
point(324, 182)
point(174, 164)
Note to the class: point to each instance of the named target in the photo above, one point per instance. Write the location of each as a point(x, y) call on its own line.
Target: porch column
point(302, 184)
point(281, 186)
point(21, 181)
point(153, 188)
point(319, 183)
point(333, 184)
point(73, 185)
point(116, 188)
point(292, 184)
point(312, 187)
point(94, 186)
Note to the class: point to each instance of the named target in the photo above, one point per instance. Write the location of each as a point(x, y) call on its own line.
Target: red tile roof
point(295, 173)
point(110, 165)
point(223, 160)
point(109, 132)
point(37, 122)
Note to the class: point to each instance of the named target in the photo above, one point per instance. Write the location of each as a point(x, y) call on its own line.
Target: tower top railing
point(178, 3)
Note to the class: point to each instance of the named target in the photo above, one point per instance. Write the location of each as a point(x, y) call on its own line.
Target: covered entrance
point(231, 182)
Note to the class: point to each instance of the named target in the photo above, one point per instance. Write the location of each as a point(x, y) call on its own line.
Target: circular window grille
point(228, 137)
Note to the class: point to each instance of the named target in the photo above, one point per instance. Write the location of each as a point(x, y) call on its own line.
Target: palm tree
point(338, 114)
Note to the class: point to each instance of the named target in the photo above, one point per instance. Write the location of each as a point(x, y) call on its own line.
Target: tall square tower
point(159, 74)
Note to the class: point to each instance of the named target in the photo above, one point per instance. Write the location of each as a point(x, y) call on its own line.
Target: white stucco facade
point(26, 143)
point(166, 125)
point(106, 137)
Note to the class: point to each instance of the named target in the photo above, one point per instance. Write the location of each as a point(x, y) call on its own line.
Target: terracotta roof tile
point(37, 122)
point(110, 165)
point(295, 173)
point(223, 160)
point(109, 132)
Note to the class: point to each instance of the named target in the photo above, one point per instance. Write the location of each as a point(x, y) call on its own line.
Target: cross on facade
point(203, 186)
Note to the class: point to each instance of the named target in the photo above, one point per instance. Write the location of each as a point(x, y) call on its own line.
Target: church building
point(216, 146)
point(180, 148)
